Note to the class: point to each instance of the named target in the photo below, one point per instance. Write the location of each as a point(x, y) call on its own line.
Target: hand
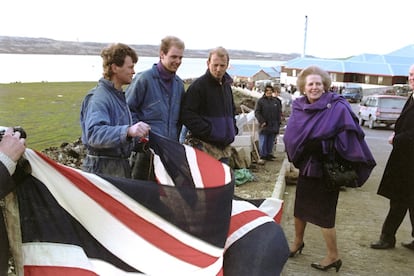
point(140, 129)
point(12, 145)
point(391, 138)
point(263, 124)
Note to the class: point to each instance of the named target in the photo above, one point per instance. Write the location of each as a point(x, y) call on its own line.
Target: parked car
point(401, 89)
point(352, 94)
point(380, 109)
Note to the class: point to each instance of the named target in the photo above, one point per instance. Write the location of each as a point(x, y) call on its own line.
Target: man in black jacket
point(397, 180)
point(208, 109)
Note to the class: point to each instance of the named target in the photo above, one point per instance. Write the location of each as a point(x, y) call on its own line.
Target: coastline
point(30, 45)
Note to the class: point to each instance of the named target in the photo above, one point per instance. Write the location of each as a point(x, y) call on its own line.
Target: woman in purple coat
point(316, 118)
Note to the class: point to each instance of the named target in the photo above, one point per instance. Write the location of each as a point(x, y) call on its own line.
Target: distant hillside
point(29, 45)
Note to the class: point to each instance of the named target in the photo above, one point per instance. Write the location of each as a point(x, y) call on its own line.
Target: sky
point(321, 28)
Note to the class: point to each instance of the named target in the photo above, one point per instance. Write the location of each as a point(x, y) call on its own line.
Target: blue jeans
point(266, 144)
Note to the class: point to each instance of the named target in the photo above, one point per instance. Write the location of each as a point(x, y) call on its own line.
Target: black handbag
point(337, 171)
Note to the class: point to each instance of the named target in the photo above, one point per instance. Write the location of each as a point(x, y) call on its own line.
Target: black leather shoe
point(409, 245)
point(337, 265)
point(382, 244)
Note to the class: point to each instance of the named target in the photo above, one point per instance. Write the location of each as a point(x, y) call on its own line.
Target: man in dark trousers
point(397, 181)
point(268, 113)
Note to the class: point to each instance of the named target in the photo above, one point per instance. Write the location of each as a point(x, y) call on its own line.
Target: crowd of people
point(117, 115)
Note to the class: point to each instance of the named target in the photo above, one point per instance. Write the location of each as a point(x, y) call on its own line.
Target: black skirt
point(314, 203)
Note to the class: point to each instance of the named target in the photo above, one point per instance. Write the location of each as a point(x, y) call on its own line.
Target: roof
point(249, 70)
point(396, 63)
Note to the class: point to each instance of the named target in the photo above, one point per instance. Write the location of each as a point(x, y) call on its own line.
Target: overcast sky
point(335, 29)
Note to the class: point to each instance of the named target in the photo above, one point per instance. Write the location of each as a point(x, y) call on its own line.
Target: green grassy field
point(49, 112)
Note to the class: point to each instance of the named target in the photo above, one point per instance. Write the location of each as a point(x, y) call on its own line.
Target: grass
point(48, 112)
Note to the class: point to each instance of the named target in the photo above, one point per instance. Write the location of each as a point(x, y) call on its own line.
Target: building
point(247, 74)
point(365, 70)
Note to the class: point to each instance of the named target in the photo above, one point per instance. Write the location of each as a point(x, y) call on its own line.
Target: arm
point(135, 94)
point(404, 130)
point(12, 148)
point(190, 114)
point(99, 126)
point(258, 113)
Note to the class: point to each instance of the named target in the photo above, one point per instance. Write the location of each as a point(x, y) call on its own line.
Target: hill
point(30, 45)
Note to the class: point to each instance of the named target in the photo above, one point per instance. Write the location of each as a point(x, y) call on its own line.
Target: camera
point(17, 128)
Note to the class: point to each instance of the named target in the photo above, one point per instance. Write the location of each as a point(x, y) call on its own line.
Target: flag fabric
point(185, 223)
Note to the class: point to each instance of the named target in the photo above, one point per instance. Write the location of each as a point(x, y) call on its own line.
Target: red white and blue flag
point(186, 223)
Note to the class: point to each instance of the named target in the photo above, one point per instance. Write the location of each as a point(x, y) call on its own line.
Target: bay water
point(68, 68)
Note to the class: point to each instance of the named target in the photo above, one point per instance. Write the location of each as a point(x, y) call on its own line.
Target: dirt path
point(360, 214)
point(265, 179)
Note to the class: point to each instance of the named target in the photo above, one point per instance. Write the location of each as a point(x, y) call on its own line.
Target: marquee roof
point(249, 70)
point(396, 63)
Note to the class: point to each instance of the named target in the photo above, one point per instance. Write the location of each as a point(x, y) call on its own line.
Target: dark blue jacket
point(268, 110)
point(208, 110)
point(149, 102)
point(105, 119)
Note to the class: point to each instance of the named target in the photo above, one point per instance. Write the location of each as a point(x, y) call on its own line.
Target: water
point(66, 68)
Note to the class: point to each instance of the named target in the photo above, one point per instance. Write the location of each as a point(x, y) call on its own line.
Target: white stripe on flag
point(271, 206)
point(55, 254)
point(246, 228)
point(258, 219)
point(116, 237)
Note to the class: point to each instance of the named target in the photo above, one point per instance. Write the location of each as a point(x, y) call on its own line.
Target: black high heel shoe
point(297, 251)
point(337, 264)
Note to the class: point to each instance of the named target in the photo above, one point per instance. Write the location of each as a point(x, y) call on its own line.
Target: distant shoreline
point(29, 45)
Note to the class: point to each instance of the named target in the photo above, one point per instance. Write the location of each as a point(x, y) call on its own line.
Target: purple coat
point(331, 117)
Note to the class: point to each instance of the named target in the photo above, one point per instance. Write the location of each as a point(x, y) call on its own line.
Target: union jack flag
point(186, 223)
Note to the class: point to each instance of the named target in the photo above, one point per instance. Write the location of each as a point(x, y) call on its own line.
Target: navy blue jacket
point(268, 110)
point(150, 102)
point(208, 110)
point(105, 119)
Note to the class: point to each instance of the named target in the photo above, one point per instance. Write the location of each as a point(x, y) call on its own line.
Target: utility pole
point(306, 32)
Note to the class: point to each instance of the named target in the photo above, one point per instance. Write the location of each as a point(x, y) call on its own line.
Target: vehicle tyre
point(361, 121)
point(371, 123)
